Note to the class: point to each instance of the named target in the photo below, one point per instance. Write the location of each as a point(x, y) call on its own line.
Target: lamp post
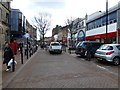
point(106, 21)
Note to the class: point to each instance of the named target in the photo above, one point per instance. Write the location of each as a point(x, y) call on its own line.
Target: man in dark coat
point(8, 55)
point(89, 48)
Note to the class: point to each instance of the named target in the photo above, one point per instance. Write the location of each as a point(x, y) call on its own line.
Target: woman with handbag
point(8, 55)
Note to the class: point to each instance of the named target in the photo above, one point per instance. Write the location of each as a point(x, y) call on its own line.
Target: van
point(82, 47)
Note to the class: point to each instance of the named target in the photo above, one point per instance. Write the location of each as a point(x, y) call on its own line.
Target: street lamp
point(106, 21)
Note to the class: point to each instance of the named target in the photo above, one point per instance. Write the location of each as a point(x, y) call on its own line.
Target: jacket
point(8, 54)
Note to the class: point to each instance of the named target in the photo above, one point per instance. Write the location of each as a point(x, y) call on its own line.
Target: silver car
point(109, 52)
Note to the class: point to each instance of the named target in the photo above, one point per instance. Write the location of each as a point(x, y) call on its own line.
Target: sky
point(60, 10)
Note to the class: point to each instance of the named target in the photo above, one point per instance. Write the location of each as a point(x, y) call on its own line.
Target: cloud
point(50, 5)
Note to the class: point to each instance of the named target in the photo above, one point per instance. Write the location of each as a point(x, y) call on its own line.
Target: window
point(106, 47)
point(112, 16)
point(118, 47)
point(20, 15)
point(98, 22)
point(109, 48)
point(7, 4)
point(103, 20)
point(91, 25)
point(7, 18)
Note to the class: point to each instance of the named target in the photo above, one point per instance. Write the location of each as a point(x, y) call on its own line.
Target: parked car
point(55, 47)
point(81, 47)
point(109, 52)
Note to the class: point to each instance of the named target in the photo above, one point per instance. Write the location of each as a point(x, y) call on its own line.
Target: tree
point(69, 23)
point(42, 23)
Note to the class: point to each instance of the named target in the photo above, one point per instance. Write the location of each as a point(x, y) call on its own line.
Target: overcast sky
point(61, 9)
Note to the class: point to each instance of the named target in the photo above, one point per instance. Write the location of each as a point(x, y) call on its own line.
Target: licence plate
point(99, 58)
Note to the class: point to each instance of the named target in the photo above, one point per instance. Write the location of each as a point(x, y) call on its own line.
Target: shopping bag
point(86, 53)
point(11, 62)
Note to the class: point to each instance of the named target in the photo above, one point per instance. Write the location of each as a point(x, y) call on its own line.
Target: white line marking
point(107, 70)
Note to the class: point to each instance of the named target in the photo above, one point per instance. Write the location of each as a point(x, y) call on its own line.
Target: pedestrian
point(14, 46)
point(8, 55)
point(25, 49)
point(88, 51)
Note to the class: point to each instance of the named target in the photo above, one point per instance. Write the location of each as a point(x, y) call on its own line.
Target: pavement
point(0, 69)
point(61, 71)
point(6, 77)
point(42, 72)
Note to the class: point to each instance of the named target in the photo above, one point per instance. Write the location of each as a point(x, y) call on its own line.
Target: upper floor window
point(7, 5)
point(104, 20)
point(98, 22)
point(7, 18)
point(113, 16)
point(20, 15)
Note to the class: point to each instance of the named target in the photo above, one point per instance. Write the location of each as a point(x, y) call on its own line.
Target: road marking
point(107, 70)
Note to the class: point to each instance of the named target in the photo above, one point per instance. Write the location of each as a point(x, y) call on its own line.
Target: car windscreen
point(55, 44)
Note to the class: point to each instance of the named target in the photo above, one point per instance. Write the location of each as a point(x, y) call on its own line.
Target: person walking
point(8, 55)
point(88, 51)
point(14, 46)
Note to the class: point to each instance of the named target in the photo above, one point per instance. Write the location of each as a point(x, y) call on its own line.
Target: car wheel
point(116, 61)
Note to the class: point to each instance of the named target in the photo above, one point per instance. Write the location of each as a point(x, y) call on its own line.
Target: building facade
point(96, 26)
point(64, 34)
point(17, 24)
point(78, 31)
point(55, 32)
point(4, 24)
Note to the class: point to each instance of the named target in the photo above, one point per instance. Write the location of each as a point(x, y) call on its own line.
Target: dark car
point(82, 47)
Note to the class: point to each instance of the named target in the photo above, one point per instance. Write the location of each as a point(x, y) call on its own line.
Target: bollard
point(13, 65)
point(21, 51)
point(27, 48)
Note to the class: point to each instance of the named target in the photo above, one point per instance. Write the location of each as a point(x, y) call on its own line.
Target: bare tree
point(69, 23)
point(42, 23)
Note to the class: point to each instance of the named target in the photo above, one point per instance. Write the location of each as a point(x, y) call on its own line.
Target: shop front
point(111, 37)
point(81, 36)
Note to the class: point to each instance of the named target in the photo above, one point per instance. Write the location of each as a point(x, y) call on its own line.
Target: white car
point(55, 47)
